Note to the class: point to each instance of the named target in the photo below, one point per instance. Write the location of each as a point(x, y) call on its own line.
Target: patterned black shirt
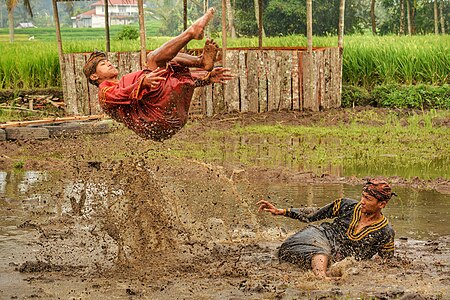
point(345, 241)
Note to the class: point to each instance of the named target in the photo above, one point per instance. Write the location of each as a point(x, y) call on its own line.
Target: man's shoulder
point(389, 228)
point(348, 202)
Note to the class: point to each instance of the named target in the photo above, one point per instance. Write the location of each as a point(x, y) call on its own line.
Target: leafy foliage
point(398, 96)
point(128, 33)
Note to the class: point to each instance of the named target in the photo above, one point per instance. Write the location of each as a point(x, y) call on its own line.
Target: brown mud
point(113, 222)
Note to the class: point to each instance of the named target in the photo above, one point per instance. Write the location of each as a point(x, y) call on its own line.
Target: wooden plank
point(252, 80)
point(319, 83)
point(70, 99)
point(195, 108)
point(50, 120)
point(273, 81)
point(82, 97)
point(232, 87)
point(285, 80)
point(315, 103)
point(218, 98)
point(335, 77)
point(295, 81)
point(242, 57)
point(310, 68)
point(301, 83)
point(326, 100)
point(263, 71)
point(134, 62)
point(337, 103)
point(306, 81)
point(123, 63)
point(209, 106)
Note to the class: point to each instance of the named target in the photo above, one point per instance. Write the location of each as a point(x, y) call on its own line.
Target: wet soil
point(112, 221)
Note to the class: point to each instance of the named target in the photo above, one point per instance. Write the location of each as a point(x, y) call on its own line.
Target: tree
point(10, 6)
point(230, 15)
point(436, 18)
point(372, 17)
point(402, 17)
point(256, 3)
point(441, 10)
point(408, 16)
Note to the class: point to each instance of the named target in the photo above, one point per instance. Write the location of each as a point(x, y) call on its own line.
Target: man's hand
point(220, 75)
point(153, 78)
point(267, 206)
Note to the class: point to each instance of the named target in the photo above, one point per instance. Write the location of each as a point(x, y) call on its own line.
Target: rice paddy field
point(369, 61)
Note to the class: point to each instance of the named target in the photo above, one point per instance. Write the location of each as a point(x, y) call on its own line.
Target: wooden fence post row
point(265, 80)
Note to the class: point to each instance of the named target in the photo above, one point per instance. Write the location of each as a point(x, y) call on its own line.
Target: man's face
point(104, 71)
point(370, 204)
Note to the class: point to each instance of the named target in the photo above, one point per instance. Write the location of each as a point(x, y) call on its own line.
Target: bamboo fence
point(267, 79)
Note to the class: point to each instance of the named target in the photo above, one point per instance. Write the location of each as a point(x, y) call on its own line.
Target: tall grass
point(29, 65)
point(368, 61)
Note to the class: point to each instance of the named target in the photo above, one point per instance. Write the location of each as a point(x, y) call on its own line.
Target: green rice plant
point(368, 61)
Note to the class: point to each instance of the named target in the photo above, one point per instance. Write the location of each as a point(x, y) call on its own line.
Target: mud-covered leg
point(170, 49)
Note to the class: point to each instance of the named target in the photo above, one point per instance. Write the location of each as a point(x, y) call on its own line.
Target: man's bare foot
point(209, 55)
point(197, 29)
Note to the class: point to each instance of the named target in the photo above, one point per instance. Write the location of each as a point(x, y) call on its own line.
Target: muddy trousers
point(302, 246)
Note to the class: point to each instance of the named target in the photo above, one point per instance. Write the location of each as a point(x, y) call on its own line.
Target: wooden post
point(310, 64)
point(224, 33)
point(107, 26)
point(142, 33)
point(62, 68)
point(185, 19)
point(337, 103)
point(58, 32)
point(341, 24)
point(260, 24)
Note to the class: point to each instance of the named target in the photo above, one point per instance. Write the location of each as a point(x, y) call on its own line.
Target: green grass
point(414, 144)
point(368, 61)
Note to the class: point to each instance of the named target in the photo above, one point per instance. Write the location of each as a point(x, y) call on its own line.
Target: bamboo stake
point(260, 24)
point(341, 24)
point(224, 34)
point(142, 33)
point(51, 120)
point(108, 48)
point(310, 54)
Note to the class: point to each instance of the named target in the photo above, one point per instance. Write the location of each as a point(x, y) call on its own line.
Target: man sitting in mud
point(358, 230)
point(154, 102)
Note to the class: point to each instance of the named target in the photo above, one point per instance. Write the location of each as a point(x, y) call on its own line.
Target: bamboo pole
point(260, 24)
point(310, 54)
point(185, 20)
point(142, 36)
point(51, 120)
point(224, 33)
point(58, 34)
point(108, 48)
point(341, 24)
point(62, 66)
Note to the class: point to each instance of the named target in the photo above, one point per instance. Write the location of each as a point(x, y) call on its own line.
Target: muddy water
point(289, 153)
point(140, 230)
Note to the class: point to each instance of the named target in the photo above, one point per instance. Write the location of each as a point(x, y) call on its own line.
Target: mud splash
point(160, 229)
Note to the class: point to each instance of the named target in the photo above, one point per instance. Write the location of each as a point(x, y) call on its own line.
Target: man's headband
point(91, 65)
point(379, 189)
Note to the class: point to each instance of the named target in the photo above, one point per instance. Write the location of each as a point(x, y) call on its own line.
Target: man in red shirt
point(154, 102)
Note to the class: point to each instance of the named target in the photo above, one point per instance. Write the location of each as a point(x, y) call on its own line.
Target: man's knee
point(156, 59)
